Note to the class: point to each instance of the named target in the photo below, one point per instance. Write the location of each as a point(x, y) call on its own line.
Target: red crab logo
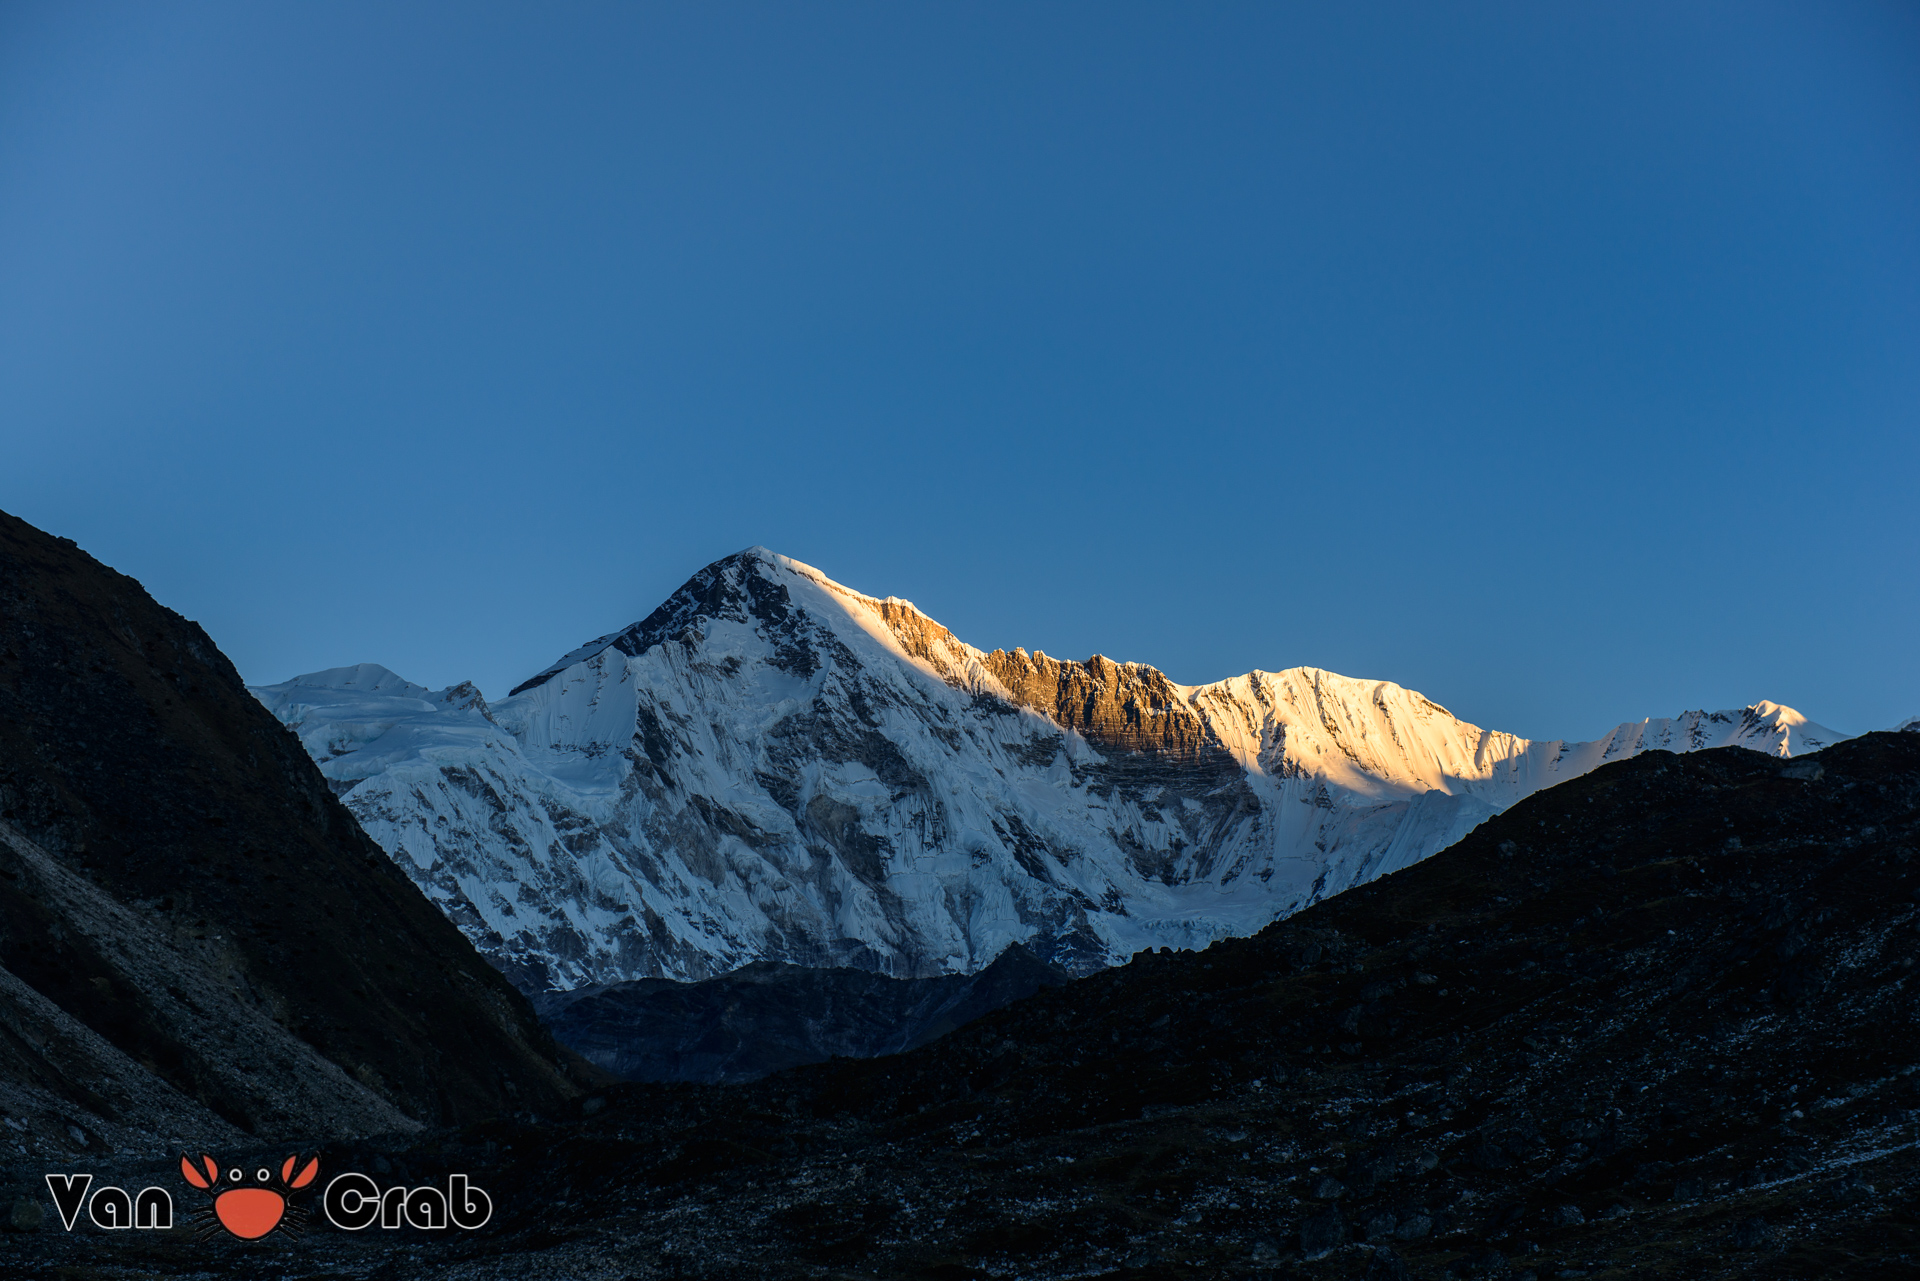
point(250, 1208)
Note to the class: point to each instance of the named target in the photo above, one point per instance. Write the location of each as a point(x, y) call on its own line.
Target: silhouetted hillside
point(198, 943)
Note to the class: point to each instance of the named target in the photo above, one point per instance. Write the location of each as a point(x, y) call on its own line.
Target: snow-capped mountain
point(771, 766)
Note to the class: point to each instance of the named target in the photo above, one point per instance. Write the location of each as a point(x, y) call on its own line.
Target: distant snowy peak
point(358, 721)
point(772, 766)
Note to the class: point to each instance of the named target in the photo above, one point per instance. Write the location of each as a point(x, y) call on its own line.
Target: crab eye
point(262, 1174)
point(235, 1176)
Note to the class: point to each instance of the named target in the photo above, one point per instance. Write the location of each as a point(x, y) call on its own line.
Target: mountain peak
point(719, 588)
point(773, 766)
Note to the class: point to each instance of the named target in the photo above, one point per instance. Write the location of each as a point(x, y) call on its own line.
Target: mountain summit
point(771, 766)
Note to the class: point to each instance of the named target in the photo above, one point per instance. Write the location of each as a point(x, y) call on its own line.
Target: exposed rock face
point(196, 939)
point(771, 766)
point(765, 1017)
point(1117, 707)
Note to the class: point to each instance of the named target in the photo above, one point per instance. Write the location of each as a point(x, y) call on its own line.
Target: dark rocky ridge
point(766, 1017)
point(1659, 1021)
point(195, 935)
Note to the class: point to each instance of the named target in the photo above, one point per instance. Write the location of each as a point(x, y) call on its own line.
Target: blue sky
point(1559, 361)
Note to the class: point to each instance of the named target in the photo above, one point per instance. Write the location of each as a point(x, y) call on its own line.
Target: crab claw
point(193, 1175)
point(305, 1176)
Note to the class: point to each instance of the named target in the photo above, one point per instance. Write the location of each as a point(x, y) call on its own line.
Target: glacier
point(774, 767)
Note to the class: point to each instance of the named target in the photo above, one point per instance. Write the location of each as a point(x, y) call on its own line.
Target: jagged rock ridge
point(772, 766)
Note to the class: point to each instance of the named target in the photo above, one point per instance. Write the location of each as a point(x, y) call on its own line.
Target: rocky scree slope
point(773, 767)
point(1662, 1021)
point(197, 942)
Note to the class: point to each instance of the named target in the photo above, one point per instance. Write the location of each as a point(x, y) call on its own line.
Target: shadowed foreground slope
point(1656, 1022)
point(197, 942)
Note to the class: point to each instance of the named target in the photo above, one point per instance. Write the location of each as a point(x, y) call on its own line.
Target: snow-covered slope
point(773, 767)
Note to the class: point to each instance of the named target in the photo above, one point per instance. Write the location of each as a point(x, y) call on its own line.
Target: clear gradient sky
point(1560, 361)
